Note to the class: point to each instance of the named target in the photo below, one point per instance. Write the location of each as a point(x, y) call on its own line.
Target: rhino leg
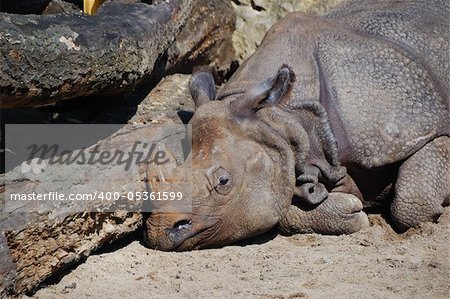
point(340, 213)
point(423, 185)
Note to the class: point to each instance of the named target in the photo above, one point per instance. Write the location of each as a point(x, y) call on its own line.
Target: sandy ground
point(374, 263)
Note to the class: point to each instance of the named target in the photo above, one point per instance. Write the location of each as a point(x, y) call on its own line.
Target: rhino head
point(247, 150)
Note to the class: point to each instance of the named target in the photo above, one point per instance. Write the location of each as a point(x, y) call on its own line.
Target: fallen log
point(35, 246)
point(39, 238)
point(55, 57)
point(206, 39)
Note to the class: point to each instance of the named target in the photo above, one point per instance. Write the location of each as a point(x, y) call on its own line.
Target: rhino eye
point(223, 180)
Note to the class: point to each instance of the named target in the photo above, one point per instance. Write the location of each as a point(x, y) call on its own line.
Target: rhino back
point(384, 66)
point(420, 27)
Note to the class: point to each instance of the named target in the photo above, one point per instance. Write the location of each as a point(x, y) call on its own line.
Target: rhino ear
point(267, 93)
point(202, 87)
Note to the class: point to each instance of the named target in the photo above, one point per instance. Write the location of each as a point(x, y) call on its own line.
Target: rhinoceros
point(330, 114)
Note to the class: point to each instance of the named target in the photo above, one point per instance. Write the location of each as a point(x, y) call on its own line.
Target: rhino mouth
point(189, 238)
point(181, 231)
point(185, 234)
point(182, 235)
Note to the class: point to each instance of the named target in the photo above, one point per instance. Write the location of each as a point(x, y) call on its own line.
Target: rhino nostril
point(311, 190)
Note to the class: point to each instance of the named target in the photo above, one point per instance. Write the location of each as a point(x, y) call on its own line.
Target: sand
point(376, 262)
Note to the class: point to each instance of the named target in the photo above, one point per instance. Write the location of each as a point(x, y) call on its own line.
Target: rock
point(255, 17)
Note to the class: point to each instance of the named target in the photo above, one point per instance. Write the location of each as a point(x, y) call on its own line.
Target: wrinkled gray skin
point(329, 113)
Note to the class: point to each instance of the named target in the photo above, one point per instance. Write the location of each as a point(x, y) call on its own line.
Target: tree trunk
point(51, 58)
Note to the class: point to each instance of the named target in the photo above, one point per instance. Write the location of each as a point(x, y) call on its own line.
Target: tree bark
point(51, 58)
point(206, 39)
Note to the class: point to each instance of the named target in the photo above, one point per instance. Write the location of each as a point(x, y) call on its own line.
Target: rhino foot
point(423, 185)
point(340, 213)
